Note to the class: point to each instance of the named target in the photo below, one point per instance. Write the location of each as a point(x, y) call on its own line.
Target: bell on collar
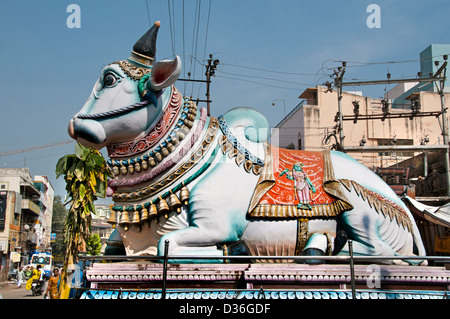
point(124, 219)
point(135, 219)
point(113, 218)
point(144, 214)
point(175, 204)
point(163, 207)
point(184, 195)
point(153, 210)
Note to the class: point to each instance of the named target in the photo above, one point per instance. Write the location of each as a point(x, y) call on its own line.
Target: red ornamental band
point(153, 136)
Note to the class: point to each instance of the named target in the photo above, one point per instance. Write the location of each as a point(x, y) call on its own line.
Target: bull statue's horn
point(144, 49)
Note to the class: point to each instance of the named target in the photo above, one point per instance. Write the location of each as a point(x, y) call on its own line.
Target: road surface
point(11, 291)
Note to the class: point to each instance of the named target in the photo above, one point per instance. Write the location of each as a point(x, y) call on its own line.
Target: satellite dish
point(27, 227)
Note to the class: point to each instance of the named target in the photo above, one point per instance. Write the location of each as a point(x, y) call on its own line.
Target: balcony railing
point(31, 206)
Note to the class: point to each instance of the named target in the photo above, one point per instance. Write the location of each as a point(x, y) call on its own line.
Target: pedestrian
point(53, 285)
point(20, 277)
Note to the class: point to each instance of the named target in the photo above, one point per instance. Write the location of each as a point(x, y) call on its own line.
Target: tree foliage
point(59, 217)
point(85, 173)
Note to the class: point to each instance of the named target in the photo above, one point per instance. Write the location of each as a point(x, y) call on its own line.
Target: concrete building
point(99, 224)
point(46, 205)
point(431, 59)
point(309, 124)
point(25, 217)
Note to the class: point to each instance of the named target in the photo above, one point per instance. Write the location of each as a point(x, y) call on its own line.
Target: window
point(389, 142)
point(299, 141)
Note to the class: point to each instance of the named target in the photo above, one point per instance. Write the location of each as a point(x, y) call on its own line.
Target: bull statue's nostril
point(89, 130)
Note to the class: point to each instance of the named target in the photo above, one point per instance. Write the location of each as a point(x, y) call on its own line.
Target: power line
point(170, 27)
point(266, 70)
point(361, 64)
point(207, 28)
point(148, 13)
point(264, 84)
point(34, 148)
point(30, 159)
point(195, 36)
point(184, 53)
point(265, 78)
point(206, 39)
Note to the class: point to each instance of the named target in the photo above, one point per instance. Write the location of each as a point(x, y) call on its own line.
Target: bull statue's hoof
point(313, 252)
point(340, 241)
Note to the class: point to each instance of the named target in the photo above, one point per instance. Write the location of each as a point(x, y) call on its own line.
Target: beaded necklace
point(155, 156)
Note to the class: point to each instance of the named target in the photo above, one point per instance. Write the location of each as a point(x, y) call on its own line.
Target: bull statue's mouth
point(120, 111)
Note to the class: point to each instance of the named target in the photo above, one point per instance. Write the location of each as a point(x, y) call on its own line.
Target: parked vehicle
point(12, 277)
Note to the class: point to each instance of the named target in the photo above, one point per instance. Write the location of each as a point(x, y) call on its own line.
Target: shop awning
point(439, 215)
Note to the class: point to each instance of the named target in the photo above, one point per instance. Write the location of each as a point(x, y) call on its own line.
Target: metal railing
point(350, 259)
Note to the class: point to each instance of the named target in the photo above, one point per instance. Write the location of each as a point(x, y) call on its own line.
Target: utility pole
point(442, 72)
point(210, 71)
point(338, 83)
point(438, 79)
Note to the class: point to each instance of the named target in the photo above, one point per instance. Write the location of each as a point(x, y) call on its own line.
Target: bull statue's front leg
point(216, 211)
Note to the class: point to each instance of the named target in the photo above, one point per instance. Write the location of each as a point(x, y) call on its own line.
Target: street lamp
point(284, 104)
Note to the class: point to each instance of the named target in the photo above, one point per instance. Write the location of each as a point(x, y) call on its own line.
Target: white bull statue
point(216, 187)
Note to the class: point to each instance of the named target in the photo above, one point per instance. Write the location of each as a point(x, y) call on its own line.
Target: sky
point(269, 52)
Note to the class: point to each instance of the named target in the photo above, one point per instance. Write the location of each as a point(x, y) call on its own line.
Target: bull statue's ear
point(164, 73)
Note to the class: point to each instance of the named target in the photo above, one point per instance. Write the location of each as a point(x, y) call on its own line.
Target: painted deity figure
point(302, 185)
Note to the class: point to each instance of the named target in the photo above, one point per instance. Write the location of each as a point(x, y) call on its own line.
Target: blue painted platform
point(257, 294)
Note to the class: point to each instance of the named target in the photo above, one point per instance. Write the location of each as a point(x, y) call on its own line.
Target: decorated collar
point(230, 144)
point(157, 148)
point(177, 173)
point(154, 135)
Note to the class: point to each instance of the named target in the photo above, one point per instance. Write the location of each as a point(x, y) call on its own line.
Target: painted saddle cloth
point(296, 184)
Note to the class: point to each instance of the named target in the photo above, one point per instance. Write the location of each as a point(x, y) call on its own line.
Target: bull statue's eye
point(109, 79)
